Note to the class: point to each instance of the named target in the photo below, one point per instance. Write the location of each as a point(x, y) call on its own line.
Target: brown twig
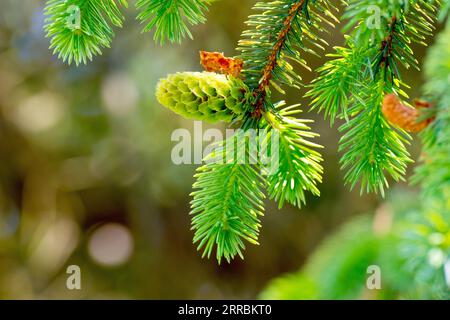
point(267, 76)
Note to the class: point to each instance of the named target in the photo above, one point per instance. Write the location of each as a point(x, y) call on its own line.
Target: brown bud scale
point(403, 116)
point(217, 62)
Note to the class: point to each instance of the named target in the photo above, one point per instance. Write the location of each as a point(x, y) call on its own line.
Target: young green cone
point(204, 96)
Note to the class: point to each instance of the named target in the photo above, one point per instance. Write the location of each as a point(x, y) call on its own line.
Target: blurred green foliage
point(408, 251)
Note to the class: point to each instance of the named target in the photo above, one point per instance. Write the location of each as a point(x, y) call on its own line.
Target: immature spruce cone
point(204, 96)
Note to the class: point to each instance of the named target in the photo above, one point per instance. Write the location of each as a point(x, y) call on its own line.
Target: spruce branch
point(370, 65)
point(277, 36)
point(351, 86)
point(337, 78)
point(228, 201)
point(299, 168)
point(80, 29)
point(371, 147)
point(170, 18)
point(228, 197)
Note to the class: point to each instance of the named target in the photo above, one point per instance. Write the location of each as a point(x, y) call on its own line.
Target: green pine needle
point(80, 29)
point(228, 199)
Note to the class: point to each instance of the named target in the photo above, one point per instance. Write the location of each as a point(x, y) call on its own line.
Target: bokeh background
point(86, 176)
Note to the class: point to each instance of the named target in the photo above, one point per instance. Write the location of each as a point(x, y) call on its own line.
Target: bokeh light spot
point(111, 245)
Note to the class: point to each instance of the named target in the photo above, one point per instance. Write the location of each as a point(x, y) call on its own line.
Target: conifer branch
point(272, 60)
point(228, 200)
point(80, 29)
point(371, 63)
point(227, 197)
point(170, 18)
point(278, 34)
point(299, 169)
